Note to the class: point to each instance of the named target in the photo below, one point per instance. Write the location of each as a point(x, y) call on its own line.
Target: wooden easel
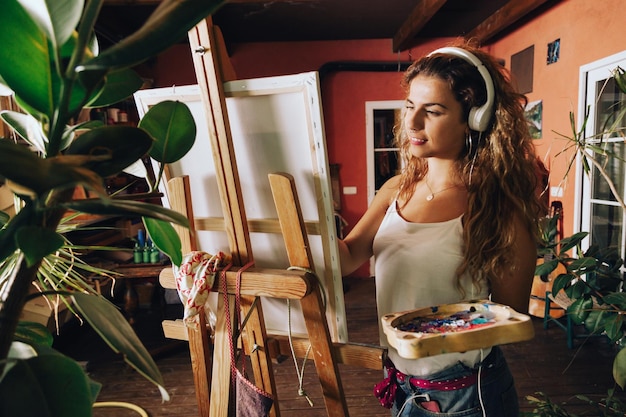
point(256, 282)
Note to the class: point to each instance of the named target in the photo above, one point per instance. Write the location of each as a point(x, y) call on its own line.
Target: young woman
point(458, 223)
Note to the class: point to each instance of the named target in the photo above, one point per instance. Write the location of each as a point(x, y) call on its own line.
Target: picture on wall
point(534, 110)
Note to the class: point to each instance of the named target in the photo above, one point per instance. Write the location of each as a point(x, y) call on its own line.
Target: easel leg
point(201, 364)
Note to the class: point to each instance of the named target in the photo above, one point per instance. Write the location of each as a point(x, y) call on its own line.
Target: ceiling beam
point(131, 2)
point(419, 17)
point(503, 18)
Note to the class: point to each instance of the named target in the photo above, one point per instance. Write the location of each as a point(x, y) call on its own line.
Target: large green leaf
point(613, 325)
point(616, 298)
point(47, 382)
point(43, 175)
point(7, 234)
point(569, 242)
point(115, 330)
point(127, 207)
point(583, 265)
point(561, 281)
point(118, 86)
point(36, 242)
point(165, 238)
point(172, 126)
point(116, 147)
point(27, 127)
point(579, 310)
point(546, 267)
point(619, 368)
point(25, 57)
point(33, 334)
point(4, 218)
point(58, 18)
point(167, 25)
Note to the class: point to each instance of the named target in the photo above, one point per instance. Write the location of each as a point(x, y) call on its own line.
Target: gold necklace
point(432, 194)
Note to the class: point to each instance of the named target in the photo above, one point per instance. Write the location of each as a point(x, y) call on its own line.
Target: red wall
point(588, 31)
point(582, 26)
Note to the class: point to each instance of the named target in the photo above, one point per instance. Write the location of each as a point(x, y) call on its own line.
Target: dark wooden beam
point(503, 18)
point(419, 17)
point(131, 2)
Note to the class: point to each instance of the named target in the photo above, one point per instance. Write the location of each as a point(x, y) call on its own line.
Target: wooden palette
point(455, 327)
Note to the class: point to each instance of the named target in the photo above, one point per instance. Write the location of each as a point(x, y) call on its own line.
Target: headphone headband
point(479, 117)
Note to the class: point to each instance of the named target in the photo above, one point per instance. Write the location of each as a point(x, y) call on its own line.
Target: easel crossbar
point(258, 282)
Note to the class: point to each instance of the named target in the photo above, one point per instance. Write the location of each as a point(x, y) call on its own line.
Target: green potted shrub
point(593, 280)
point(50, 62)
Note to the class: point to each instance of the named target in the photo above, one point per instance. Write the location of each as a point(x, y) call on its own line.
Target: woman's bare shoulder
point(389, 190)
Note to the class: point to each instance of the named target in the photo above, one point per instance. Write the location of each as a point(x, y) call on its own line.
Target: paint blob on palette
point(457, 327)
point(446, 323)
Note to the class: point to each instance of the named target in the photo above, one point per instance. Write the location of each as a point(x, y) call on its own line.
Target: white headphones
point(479, 117)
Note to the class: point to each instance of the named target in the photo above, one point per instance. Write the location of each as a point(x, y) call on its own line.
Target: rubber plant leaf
point(616, 298)
point(113, 148)
point(4, 218)
point(37, 242)
point(165, 238)
point(27, 127)
point(33, 333)
point(546, 267)
point(619, 368)
point(57, 18)
point(561, 282)
point(45, 380)
point(167, 25)
point(583, 265)
point(579, 310)
point(7, 233)
point(25, 58)
point(127, 207)
point(118, 86)
point(115, 330)
point(172, 126)
point(613, 326)
point(597, 320)
point(572, 241)
point(28, 174)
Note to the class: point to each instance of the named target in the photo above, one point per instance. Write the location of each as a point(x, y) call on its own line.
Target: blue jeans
point(497, 395)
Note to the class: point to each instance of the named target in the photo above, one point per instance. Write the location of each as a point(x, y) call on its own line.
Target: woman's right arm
point(356, 248)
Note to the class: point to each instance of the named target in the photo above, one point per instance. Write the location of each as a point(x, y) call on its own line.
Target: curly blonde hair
point(499, 166)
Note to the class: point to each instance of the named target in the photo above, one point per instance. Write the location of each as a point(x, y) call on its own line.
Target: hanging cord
point(300, 372)
point(480, 135)
point(480, 394)
point(319, 281)
point(233, 335)
point(229, 325)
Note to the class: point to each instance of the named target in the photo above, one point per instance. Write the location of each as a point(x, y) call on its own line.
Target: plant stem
point(606, 177)
point(13, 303)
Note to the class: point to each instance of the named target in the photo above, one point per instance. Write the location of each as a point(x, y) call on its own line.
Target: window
point(383, 158)
point(601, 213)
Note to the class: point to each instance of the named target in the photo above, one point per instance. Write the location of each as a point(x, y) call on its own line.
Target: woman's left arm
point(513, 289)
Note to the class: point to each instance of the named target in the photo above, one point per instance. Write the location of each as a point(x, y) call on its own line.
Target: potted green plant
point(50, 61)
point(593, 280)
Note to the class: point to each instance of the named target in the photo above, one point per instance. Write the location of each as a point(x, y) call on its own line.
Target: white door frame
point(588, 75)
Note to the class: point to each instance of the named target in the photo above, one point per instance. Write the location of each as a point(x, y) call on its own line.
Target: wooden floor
point(544, 364)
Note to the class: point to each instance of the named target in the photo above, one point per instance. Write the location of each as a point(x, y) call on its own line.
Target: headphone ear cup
point(472, 118)
point(479, 118)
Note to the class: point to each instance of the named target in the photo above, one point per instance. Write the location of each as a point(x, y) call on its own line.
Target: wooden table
point(131, 272)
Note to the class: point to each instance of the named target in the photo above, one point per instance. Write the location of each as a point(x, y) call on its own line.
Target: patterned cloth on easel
point(194, 280)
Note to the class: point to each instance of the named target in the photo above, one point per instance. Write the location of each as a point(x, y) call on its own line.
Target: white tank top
point(416, 267)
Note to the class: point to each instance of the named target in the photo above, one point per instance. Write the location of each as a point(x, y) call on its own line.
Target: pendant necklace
point(432, 194)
